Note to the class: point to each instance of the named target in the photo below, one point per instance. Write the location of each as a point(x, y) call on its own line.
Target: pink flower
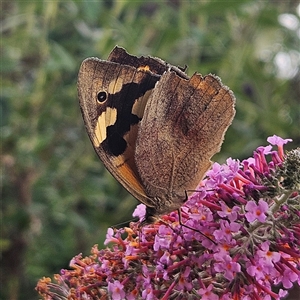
point(140, 211)
point(238, 238)
point(227, 266)
point(148, 293)
point(256, 212)
point(164, 238)
point(225, 233)
point(230, 213)
point(288, 278)
point(207, 293)
point(267, 257)
point(110, 237)
point(116, 289)
point(276, 140)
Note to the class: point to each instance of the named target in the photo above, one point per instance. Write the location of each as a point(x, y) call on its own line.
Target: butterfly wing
point(183, 127)
point(113, 95)
point(154, 64)
point(112, 99)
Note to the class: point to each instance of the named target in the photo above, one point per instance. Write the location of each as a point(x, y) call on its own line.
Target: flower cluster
point(238, 237)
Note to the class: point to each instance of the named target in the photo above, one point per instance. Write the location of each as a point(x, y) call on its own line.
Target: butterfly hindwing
point(185, 120)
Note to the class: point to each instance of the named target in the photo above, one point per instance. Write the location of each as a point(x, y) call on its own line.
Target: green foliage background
point(57, 200)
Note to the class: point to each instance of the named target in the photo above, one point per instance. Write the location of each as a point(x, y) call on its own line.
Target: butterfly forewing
point(110, 123)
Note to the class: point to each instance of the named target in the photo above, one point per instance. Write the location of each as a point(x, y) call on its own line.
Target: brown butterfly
point(154, 128)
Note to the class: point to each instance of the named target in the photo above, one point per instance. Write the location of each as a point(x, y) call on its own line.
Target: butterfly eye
point(102, 96)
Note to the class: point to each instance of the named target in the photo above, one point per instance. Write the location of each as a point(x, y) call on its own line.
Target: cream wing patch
point(107, 118)
point(115, 86)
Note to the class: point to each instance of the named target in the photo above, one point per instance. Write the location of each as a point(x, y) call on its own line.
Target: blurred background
point(57, 200)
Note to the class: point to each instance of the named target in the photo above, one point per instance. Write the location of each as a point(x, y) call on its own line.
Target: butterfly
point(154, 127)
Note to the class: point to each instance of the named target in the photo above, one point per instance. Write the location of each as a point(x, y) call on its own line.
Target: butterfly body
point(154, 128)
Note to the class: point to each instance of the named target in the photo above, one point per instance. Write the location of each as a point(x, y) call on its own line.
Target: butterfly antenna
point(123, 224)
point(189, 227)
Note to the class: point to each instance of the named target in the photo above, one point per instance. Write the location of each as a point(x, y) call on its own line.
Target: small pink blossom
point(140, 211)
point(230, 213)
point(116, 289)
point(207, 294)
point(228, 267)
point(110, 238)
point(184, 280)
point(288, 278)
point(277, 140)
point(256, 271)
point(226, 231)
point(267, 257)
point(147, 293)
point(164, 238)
point(256, 212)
